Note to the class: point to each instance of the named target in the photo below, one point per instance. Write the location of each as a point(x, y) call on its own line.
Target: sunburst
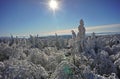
point(53, 4)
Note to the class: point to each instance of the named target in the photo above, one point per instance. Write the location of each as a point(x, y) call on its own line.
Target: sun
point(53, 4)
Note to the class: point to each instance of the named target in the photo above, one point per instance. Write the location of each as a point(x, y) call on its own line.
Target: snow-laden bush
point(88, 74)
point(22, 69)
point(104, 53)
point(54, 60)
point(66, 70)
point(18, 54)
point(50, 50)
point(109, 50)
point(117, 63)
point(116, 48)
point(114, 57)
point(113, 76)
point(91, 43)
point(100, 43)
point(81, 60)
point(10, 52)
point(51, 66)
point(103, 65)
point(59, 57)
point(5, 53)
point(38, 57)
point(114, 41)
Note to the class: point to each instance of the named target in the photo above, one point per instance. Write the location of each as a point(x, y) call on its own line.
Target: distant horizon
point(95, 29)
point(87, 34)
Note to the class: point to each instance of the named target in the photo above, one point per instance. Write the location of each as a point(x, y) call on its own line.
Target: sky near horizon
point(24, 17)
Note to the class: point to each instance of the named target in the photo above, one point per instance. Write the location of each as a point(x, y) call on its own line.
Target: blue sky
point(24, 17)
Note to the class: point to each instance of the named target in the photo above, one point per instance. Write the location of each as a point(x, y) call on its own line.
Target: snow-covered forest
point(76, 57)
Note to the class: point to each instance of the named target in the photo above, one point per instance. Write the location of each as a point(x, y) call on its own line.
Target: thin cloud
point(97, 29)
point(90, 29)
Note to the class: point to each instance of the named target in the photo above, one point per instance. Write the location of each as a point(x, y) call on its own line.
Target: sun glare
point(53, 4)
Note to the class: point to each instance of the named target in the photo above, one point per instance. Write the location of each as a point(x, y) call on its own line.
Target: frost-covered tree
point(81, 36)
point(73, 34)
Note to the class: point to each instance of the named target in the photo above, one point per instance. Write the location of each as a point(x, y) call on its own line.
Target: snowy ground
point(59, 58)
